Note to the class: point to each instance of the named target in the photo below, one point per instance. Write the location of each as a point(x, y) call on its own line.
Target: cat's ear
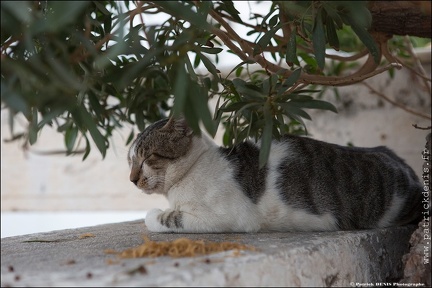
point(178, 125)
point(181, 126)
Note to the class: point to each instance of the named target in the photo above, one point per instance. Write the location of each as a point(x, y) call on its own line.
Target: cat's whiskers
point(155, 180)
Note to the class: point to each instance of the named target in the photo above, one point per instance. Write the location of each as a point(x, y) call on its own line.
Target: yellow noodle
point(86, 235)
point(182, 247)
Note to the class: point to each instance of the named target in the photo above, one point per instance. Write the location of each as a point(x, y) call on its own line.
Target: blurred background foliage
point(88, 67)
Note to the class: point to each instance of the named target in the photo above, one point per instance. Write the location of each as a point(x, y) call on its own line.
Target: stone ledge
point(61, 258)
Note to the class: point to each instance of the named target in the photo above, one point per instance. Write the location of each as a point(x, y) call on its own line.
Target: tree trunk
point(411, 18)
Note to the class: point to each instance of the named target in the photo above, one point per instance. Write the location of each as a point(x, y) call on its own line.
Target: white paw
point(152, 222)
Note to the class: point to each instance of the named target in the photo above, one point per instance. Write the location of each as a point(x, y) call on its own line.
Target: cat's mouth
point(148, 187)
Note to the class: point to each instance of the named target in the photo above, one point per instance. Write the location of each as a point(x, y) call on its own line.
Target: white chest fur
point(211, 200)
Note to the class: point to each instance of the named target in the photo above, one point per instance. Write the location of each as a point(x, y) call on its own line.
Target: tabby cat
point(307, 185)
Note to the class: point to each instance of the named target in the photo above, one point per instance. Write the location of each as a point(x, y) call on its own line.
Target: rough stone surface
point(417, 266)
point(62, 258)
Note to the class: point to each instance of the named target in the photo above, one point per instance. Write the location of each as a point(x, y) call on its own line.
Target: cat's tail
point(417, 205)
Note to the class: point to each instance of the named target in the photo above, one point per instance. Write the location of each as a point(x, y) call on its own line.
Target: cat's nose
point(134, 176)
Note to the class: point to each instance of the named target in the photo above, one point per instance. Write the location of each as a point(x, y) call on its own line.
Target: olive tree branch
point(283, 39)
point(369, 68)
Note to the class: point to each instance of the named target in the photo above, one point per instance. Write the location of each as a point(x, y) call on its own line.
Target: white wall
point(35, 182)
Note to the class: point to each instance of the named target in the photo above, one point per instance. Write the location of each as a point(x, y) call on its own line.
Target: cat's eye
point(158, 155)
point(150, 159)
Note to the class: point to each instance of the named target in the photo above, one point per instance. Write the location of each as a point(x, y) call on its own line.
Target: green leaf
point(130, 137)
point(244, 109)
point(332, 36)
point(391, 72)
point(265, 39)
point(360, 26)
point(191, 117)
point(315, 104)
point(269, 83)
point(140, 120)
point(305, 91)
point(101, 8)
point(238, 66)
point(199, 98)
point(292, 109)
point(234, 106)
point(367, 40)
point(60, 14)
point(308, 59)
point(266, 137)
point(13, 100)
point(274, 20)
point(209, 65)
point(132, 70)
point(292, 78)
point(21, 10)
point(182, 11)
point(210, 50)
point(179, 90)
point(82, 116)
point(239, 70)
point(228, 6)
point(291, 53)
point(48, 117)
point(289, 81)
point(333, 13)
point(190, 68)
point(360, 14)
point(247, 90)
point(70, 138)
point(88, 147)
point(33, 130)
point(65, 126)
point(294, 97)
point(95, 105)
point(318, 41)
point(197, 60)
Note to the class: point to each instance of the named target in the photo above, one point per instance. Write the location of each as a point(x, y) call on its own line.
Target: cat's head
point(154, 149)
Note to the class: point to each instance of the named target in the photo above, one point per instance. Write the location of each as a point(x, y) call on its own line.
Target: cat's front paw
point(164, 221)
point(152, 222)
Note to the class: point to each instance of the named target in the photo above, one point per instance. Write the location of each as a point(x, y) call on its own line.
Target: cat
point(306, 185)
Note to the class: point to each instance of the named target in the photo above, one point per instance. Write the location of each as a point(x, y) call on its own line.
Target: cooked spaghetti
point(182, 247)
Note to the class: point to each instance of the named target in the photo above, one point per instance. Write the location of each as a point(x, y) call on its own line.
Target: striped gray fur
point(244, 158)
point(354, 184)
point(172, 219)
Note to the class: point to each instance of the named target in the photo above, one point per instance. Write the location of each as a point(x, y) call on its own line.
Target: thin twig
point(403, 107)
point(422, 128)
point(417, 63)
point(405, 65)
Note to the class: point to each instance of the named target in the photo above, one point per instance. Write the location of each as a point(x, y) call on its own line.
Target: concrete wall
point(49, 183)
